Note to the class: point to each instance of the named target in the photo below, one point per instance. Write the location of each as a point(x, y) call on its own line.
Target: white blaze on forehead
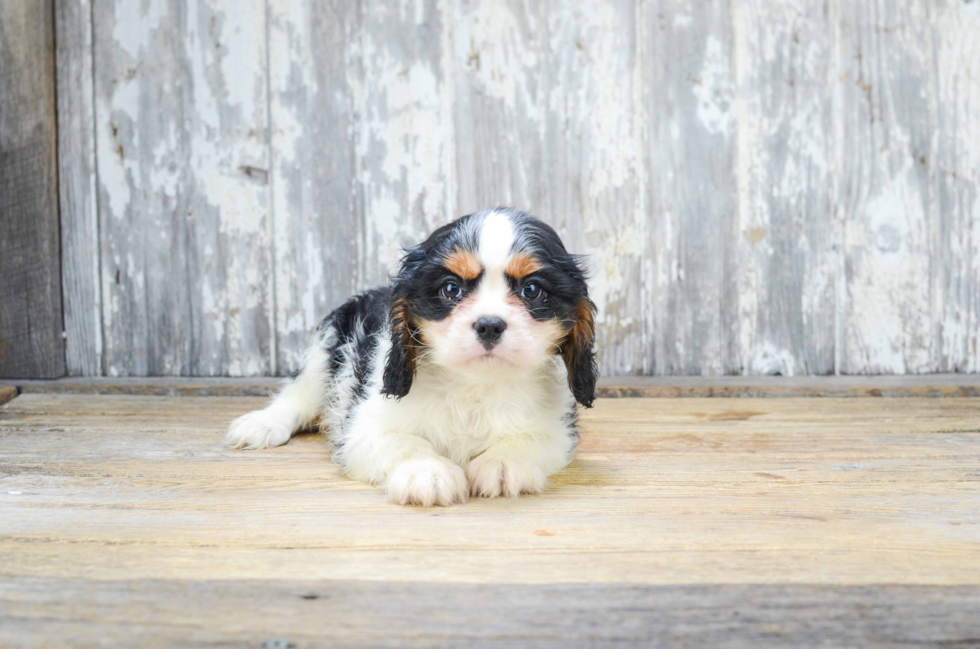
point(496, 239)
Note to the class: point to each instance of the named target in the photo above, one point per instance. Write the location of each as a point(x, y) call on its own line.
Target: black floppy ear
point(579, 355)
point(400, 362)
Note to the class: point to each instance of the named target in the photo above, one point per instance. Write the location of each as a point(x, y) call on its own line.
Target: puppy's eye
point(531, 291)
point(450, 290)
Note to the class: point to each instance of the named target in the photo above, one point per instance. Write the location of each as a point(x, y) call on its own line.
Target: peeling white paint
point(819, 205)
point(768, 359)
point(400, 143)
point(714, 90)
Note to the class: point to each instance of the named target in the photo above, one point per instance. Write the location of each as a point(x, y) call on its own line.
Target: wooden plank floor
point(919, 385)
point(687, 522)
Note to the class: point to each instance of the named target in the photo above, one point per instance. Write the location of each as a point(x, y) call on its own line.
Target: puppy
point(461, 378)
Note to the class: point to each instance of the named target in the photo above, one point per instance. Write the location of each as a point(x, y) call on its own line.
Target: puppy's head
point(492, 292)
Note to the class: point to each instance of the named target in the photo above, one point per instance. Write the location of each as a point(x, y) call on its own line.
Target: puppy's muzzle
point(489, 329)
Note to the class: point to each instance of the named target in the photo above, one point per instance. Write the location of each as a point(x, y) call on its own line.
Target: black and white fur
point(417, 395)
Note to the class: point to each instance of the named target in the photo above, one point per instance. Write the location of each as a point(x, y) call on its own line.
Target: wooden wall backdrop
point(31, 344)
point(782, 186)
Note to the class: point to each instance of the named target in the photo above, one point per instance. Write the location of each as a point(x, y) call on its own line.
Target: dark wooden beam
point(31, 326)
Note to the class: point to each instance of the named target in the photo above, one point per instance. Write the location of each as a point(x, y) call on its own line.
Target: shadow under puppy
point(473, 358)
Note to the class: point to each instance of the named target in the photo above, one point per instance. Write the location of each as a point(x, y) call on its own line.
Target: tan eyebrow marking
point(463, 264)
point(522, 265)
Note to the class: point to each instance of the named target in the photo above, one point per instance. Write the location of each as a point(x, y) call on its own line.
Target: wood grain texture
point(762, 188)
point(403, 136)
point(30, 273)
point(80, 275)
point(317, 218)
point(955, 173)
point(805, 491)
point(909, 239)
point(690, 84)
point(686, 387)
point(787, 238)
point(362, 144)
point(761, 522)
point(549, 118)
point(311, 613)
point(183, 158)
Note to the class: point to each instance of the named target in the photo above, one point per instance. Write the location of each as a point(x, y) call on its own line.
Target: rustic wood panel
point(311, 613)
point(762, 188)
point(317, 216)
point(30, 273)
point(690, 85)
point(183, 160)
point(919, 385)
point(80, 275)
point(595, 191)
point(404, 146)
point(886, 62)
point(549, 117)
point(955, 171)
point(911, 212)
point(679, 491)
point(362, 144)
point(786, 238)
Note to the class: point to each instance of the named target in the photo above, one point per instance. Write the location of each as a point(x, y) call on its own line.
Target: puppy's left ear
point(400, 363)
point(579, 354)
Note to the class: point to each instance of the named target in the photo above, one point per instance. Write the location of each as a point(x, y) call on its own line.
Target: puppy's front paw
point(259, 429)
point(427, 482)
point(490, 476)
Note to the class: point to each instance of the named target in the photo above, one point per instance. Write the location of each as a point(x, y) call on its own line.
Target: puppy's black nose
point(489, 329)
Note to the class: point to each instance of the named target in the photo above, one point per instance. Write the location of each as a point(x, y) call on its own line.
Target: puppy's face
point(493, 291)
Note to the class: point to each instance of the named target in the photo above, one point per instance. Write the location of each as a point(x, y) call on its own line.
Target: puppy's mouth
point(480, 354)
point(497, 354)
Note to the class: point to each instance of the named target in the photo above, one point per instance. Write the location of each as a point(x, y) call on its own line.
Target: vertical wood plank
point(499, 113)
point(690, 87)
point(362, 142)
point(182, 145)
point(786, 236)
point(889, 115)
point(549, 119)
point(138, 86)
point(77, 191)
point(317, 211)
point(404, 139)
point(594, 173)
point(955, 170)
point(31, 322)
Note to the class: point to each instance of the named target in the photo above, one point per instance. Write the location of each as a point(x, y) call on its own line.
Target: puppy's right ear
point(405, 341)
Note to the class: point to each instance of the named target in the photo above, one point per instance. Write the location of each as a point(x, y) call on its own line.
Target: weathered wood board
point(31, 344)
point(782, 187)
point(756, 522)
point(672, 387)
point(819, 491)
point(302, 614)
point(80, 258)
point(182, 144)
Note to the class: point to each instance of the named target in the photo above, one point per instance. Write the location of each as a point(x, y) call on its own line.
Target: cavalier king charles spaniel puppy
point(459, 379)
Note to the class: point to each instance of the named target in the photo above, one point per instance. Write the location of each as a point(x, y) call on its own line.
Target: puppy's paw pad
point(259, 429)
point(427, 482)
point(490, 477)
